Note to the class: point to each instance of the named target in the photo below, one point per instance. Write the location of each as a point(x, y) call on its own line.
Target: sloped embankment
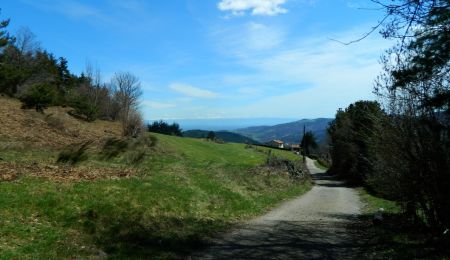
point(180, 191)
point(56, 128)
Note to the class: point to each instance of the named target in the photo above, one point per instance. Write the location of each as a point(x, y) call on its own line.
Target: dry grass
point(56, 128)
point(11, 171)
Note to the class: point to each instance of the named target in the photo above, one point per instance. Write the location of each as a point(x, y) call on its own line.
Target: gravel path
point(317, 225)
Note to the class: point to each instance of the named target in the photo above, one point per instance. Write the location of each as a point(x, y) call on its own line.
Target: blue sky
point(217, 58)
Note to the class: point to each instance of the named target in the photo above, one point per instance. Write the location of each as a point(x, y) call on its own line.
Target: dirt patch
point(12, 171)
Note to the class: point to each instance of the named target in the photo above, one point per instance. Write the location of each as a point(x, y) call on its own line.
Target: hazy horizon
point(228, 124)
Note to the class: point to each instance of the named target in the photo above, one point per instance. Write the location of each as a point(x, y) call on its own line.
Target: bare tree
point(93, 84)
point(414, 150)
point(128, 92)
point(26, 41)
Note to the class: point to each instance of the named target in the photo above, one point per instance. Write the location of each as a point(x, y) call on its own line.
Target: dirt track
point(316, 225)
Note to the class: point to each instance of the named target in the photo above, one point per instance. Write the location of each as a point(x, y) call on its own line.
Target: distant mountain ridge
point(288, 132)
point(223, 135)
point(224, 124)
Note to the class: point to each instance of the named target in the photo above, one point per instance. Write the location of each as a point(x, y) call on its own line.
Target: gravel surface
point(317, 225)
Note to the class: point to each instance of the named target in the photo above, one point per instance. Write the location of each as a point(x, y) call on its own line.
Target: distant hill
point(225, 124)
point(288, 132)
point(223, 135)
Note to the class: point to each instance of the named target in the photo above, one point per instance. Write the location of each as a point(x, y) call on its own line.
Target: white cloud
point(192, 91)
point(257, 7)
point(157, 105)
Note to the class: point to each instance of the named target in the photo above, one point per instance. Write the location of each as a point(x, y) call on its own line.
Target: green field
point(183, 191)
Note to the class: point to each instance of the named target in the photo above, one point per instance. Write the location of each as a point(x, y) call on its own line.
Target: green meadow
point(182, 192)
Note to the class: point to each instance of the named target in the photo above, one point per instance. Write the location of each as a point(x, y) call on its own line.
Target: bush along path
point(318, 225)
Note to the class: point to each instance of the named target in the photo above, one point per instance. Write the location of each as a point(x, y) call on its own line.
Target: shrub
point(134, 124)
point(211, 136)
point(38, 96)
point(113, 147)
point(294, 169)
point(75, 154)
point(84, 110)
point(145, 140)
point(136, 156)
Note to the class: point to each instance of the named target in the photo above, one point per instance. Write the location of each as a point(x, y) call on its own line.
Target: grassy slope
point(55, 128)
point(186, 190)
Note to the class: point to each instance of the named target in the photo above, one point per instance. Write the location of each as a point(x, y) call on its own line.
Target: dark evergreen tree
point(211, 136)
point(39, 97)
point(308, 142)
point(165, 128)
point(5, 38)
point(353, 134)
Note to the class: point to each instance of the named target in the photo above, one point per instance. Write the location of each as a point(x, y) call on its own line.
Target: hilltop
point(288, 132)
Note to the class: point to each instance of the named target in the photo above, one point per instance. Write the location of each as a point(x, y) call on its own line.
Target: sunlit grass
point(320, 166)
point(186, 190)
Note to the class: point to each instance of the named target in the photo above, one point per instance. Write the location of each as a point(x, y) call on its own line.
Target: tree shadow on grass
point(350, 237)
point(132, 235)
point(396, 238)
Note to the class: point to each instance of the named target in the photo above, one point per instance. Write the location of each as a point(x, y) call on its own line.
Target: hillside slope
point(54, 128)
point(222, 135)
point(289, 132)
point(154, 197)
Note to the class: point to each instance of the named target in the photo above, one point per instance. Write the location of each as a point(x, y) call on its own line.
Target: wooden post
point(303, 144)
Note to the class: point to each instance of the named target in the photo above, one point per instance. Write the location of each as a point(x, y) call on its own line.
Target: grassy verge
point(320, 166)
point(396, 237)
point(182, 192)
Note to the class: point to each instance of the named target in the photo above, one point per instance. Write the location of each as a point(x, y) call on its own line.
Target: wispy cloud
point(256, 7)
point(192, 91)
point(306, 76)
point(157, 105)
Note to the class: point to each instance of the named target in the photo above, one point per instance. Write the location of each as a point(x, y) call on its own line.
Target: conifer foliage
point(40, 80)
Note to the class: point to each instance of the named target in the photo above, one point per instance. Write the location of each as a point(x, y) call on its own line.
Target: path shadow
point(332, 181)
point(290, 240)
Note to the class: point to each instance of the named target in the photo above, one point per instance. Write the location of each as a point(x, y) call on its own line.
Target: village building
point(276, 143)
